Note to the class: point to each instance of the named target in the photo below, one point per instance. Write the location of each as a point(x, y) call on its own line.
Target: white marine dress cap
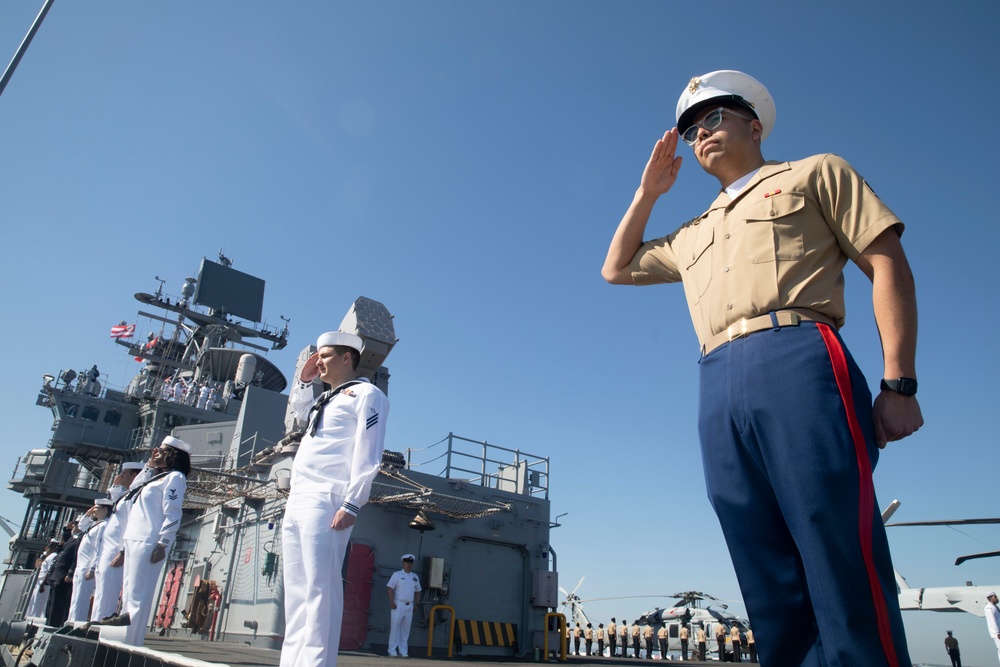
point(725, 85)
point(407, 557)
point(177, 443)
point(331, 338)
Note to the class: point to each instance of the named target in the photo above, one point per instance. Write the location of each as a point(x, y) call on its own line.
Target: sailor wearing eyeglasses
point(783, 406)
point(338, 458)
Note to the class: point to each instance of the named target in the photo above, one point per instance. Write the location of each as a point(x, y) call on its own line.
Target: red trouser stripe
point(866, 499)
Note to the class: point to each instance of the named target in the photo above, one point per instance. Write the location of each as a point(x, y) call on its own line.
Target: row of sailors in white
point(92, 525)
point(203, 397)
point(332, 473)
point(109, 576)
point(122, 555)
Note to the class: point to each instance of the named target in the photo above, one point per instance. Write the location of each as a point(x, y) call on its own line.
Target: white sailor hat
point(408, 557)
point(331, 338)
point(104, 502)
point(177, 443)
point(133, 465)
point(725, 85)
point(991, 594)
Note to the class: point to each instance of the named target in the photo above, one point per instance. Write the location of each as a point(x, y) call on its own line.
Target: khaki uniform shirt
point(647, 631)
point(635, 629)
point(661, 634)
point(701, 636)
point(684, 632)
point(782, 243)
point(600, 634)
point(612, 628)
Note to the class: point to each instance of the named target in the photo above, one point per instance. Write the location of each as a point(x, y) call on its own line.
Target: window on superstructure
point(90, 413)
point(112, 417)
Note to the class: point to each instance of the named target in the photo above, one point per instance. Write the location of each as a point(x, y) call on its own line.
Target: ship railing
point(493, 466)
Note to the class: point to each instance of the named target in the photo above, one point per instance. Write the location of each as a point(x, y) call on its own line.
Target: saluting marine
point(782, 402)
point(154, 517)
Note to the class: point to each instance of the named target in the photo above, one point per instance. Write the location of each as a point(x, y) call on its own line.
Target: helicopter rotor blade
point(946, 522)
point(985, 554)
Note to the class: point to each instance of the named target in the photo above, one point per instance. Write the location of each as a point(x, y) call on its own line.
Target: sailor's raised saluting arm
point(302, 397)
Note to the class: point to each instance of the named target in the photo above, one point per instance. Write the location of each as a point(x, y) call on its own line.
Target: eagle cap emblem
point(694, 84)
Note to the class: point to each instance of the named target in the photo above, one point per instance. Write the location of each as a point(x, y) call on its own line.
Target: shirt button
point(729, 306)
point(726, 269)
point(773, 213)
point(727, 236)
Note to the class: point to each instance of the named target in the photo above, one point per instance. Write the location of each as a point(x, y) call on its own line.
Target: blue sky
point(466, 163)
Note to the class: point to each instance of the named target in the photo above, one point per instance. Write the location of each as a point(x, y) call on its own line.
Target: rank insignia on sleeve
point(172, 494)
point(372, 419)
point(772, 193)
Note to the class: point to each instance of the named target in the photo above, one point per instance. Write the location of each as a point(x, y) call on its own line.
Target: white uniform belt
point(745, 327)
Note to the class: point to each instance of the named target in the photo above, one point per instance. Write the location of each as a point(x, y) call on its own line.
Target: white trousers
point(139, 588)
point(79, 603)
point(36, 608)
point(997, 642)
point(313, 558)
point(107, 590)
point(399, 628)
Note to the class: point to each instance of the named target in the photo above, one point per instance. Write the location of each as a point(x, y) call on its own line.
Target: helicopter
point(967, 598)
point(692, 610)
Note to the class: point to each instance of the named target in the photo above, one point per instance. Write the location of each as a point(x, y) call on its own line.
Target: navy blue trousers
point(785, 420)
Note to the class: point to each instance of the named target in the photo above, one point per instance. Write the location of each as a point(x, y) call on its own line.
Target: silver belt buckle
point(738, 331)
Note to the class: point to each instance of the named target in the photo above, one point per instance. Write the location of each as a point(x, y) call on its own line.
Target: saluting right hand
point(309, 369)
point(663, 166)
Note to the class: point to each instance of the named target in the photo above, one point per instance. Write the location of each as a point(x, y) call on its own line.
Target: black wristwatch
point(904, 386)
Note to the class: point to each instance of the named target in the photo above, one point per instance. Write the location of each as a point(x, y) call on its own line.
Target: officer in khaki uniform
point(589, 636)
point(720, 640)
point(702, 644)
point(684, 635)
point(623, 633)
point(612, 636)
point(600, 639)
point(661, 640)
point(577, 637)
point(647, 637)
point(636, 633)
point(737, 640)
point(782, 401)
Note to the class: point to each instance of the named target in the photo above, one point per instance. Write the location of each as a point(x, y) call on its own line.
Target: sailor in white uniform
point(108, 573)
point(339, 456)
point(86, 561)
point(153, 520)
point(40, 596)
point(404, 594)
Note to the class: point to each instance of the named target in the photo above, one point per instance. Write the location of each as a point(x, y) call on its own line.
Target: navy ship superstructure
point(478, 523)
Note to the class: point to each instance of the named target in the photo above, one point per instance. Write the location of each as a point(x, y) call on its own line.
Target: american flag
point(122, 330)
